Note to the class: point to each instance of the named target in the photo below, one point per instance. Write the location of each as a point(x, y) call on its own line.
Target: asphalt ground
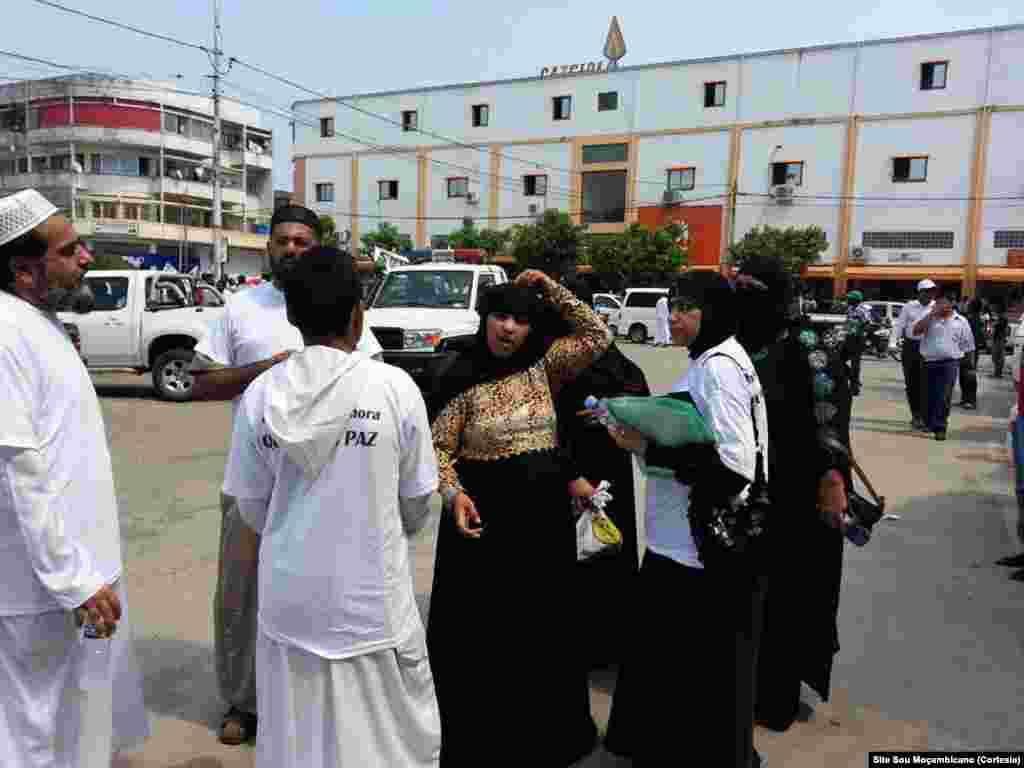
point(931, 629)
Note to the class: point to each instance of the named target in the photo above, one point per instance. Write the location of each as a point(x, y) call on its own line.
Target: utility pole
point(218, 195)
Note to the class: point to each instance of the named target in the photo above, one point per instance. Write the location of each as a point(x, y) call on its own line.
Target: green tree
point(109, 261)
point(327, 231)
point(552, 244)
point(639, 251)
point(468, 236)
point(796, 246)
point(388, 237)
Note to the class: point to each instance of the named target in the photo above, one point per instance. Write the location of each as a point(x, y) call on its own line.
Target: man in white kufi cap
point(903, 328)
point(72, 692)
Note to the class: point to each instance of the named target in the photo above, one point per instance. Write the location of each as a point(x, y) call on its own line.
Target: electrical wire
point(121, 25)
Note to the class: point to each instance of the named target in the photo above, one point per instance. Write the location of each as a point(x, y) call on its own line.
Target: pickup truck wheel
point(171, 375)
point(638, 333)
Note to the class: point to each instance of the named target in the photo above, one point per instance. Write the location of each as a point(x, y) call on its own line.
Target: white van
point(636, 318)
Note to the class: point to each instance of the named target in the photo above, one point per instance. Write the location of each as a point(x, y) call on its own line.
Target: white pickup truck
point(146, 321)
point(422, 314)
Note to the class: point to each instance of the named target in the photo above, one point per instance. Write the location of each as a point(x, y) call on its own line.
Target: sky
point(359, 46)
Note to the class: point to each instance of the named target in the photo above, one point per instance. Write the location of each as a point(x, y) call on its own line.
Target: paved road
point(931, 629)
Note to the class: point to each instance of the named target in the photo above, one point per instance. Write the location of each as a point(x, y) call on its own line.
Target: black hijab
point(478, 365)
point(764, 291)
point(714, 296)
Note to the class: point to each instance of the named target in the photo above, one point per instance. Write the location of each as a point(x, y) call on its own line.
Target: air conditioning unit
point(532, 209)
point(783, 194)
point(859, 254)
point(471, 198)
point(672, 196)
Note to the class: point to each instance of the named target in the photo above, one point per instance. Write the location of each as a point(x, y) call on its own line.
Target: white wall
point(949, 144)
point(330, 170)
point(1004, 177)
point(821, 148)
point(512, 202)
point(708, 153)
point(400, 212)
point(445, 215)
point(1007, 65)
point(797, 84)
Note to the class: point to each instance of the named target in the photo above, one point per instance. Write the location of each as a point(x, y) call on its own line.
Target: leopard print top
point(503, 418)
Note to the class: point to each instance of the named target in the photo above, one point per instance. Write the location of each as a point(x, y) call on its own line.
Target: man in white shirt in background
point(946, 337)
point(662, 334)
point(333, 463)
point(903, 328)
point(64, 701)
point(251, 335)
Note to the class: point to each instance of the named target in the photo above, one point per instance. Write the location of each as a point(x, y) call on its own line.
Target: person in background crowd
point(333, 465)
point(969, 362)
point(808, 482)
point(1000, 338)
point(687, 686)
point(858, 320)
point(662, 336)
point(252, 335)
point(60, 539)
point(946, 338)
point(604, 585)
point(913, 365)
point(501, 605)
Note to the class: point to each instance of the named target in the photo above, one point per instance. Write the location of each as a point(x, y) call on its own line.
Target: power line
point(888, 198)
point(120, 25)
point(442, 137)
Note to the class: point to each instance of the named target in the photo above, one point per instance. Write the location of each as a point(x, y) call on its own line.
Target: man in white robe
point(251, 335)
point(333, 463)
point(60, 546)
point(662, 334)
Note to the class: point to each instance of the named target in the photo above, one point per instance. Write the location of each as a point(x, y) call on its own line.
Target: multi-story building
point(907, 152)
point(131, 161)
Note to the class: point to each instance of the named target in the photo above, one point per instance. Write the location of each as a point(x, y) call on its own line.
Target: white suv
point(636, 318)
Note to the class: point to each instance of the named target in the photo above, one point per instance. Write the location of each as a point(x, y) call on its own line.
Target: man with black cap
point(903, 328)
point(72, 695)
point(252, 335)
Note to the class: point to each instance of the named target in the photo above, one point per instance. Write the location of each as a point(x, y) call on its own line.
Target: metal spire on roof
point(615, 44)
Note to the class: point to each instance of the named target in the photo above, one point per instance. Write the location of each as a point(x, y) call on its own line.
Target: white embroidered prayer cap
point(21, 212)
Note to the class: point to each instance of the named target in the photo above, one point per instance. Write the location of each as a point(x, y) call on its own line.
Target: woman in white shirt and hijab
point(688, 686)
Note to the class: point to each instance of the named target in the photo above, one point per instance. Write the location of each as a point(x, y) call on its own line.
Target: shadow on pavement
point(140, 391)
point(179, 680)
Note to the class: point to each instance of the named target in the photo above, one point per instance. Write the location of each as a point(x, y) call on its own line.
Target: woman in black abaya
point(502, 646)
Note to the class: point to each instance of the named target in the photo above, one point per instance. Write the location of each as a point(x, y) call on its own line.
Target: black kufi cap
point(295, 214)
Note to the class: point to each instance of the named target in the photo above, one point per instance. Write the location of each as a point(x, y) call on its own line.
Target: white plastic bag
point(596, 534)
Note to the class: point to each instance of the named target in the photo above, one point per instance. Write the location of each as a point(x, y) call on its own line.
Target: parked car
point(147, 321)
point(635, 318)
point(607, 305)
point(423, 313)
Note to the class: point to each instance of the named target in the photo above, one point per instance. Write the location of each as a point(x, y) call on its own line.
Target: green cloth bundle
point(671, 421)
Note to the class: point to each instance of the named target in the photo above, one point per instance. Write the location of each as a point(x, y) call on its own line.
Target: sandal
point(237, 727)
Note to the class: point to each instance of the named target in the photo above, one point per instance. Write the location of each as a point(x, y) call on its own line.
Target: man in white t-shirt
point(251, 335)
point(60, 545)
point(332, 462)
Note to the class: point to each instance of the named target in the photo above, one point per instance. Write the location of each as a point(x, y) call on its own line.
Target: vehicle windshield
point(440, 289)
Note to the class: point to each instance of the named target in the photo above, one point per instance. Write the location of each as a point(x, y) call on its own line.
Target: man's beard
point(282, 266)
point(79, 299)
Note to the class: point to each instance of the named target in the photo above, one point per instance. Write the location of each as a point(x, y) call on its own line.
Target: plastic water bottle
point(95, 658)
point(600, 410)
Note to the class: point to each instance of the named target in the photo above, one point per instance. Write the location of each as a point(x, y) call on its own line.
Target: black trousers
point(969, 378)
point(913, 378)
point(998, 356)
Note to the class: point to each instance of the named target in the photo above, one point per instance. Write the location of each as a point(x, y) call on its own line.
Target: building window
point(22, 165)
point(1009, 238)
point(608, 102)
point(481, 115)
point(561, 107)
point(535, 186)
point(933, 75)
point(326, 127)
point(714, 94)
point(681, 179)
point(604, 197)
point(147, 167)
point(387, 190)
point(325, 193)
point(908, 240)
point(787, 173)
point(410, 120)
point(605, 153)
point(458, 186)
point(905, 169)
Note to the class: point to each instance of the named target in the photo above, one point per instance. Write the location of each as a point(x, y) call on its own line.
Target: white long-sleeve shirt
point(947, 339)
point(59, 532)
point(909, 316)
